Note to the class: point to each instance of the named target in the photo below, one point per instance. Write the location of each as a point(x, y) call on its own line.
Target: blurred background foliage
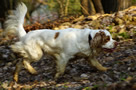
point(51, 9)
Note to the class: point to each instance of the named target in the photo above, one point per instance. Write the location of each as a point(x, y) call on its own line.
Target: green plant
point(110, 27)
point(133, 1)
point(124, 35)
point(87, 88)
point(95, 86)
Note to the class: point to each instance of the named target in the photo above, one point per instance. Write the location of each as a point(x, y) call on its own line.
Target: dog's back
point(53, 41)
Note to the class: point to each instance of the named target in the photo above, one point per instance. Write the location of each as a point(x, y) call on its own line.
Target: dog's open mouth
point(108, 50)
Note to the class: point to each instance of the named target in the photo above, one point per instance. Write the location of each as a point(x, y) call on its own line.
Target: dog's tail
point(14, 22)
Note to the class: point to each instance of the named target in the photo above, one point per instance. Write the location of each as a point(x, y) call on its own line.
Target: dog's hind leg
point(19, 66)
point(29, 67)
point(34, 53)
point(24, 64)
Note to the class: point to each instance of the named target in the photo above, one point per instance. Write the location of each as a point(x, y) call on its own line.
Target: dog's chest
point(84, 48)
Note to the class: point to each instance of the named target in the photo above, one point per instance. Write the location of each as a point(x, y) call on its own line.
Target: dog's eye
point(107, 38)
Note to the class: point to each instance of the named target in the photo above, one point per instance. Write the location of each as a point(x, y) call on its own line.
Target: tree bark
point(98, 6)
point(92, 10)
point(5, 6)
point(61, 11)
point(85, 7)
point(123, 4)
point(66, 7)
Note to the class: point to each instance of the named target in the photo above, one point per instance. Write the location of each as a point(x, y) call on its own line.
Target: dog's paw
point(104, 69)
point(15, 77)
point(57, 76)
point(33, 71)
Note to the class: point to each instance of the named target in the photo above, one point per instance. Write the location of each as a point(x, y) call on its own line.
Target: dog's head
point(103, 40)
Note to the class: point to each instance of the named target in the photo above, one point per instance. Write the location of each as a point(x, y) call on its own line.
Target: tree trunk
point(5, 6)
point(92, 10)
point(123, 4)
point(98, 6)
point(61, 11)
point(66, 7)
point(85, 7)
point(110, 6)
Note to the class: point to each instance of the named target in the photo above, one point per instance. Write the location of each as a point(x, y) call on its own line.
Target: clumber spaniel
point(62, 44)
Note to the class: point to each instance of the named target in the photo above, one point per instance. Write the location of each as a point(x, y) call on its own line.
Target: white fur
point(69, 42)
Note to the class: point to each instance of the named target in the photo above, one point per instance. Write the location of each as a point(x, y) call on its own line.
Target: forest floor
point(79, 75)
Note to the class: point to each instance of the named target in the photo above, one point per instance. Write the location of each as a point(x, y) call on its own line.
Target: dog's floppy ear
point(98, 40)
point(89, 39)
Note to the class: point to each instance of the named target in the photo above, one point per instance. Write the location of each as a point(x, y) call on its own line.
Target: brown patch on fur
point(99, 39)
point(56, 35)
point(106, 39)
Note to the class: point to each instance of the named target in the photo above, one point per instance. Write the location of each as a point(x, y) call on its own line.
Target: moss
point(95, 86)
point(87, 88)
point(114, 35)
point(110, 27)
point(124, 35)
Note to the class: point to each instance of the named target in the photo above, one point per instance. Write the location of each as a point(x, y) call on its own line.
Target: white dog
point(62, 44)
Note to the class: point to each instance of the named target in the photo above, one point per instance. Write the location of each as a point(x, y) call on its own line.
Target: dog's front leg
point(96, 64)
point(61, 63)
